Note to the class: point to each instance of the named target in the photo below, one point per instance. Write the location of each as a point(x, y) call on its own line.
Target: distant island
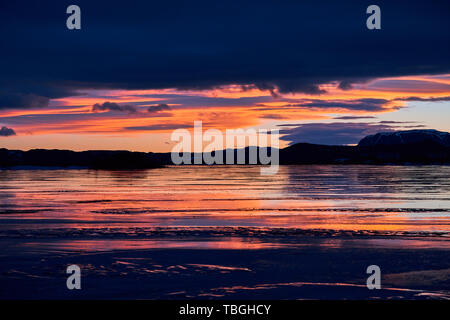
point(398, 147)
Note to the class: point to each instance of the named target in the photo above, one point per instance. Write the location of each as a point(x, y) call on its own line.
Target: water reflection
point(327, 197)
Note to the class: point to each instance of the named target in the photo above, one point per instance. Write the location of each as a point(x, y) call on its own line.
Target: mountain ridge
point(398, 147)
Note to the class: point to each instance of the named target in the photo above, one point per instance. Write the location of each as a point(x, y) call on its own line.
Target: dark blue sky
point(291, 45)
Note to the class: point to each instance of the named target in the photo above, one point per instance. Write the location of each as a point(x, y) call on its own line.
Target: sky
point(138, 70)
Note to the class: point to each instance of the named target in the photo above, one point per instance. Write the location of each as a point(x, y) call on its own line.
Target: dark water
point(308, 232)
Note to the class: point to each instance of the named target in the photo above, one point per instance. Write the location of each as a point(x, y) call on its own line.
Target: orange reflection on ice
point(306, 197)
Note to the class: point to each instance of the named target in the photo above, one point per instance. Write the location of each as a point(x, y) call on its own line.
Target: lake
point(394, 198)
point(184, 232)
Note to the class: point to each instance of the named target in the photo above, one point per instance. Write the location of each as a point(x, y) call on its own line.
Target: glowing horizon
point(72, 123)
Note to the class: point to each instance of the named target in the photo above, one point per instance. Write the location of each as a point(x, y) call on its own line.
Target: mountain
point(401, 147)
point(415, 153)
point(406, 137)
point(84, 159)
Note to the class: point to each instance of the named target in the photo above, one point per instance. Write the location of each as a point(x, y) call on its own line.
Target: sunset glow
point(72, 119)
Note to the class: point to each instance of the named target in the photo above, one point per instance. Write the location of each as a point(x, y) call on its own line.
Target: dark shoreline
point(423, 153)
point(300, 264)
point(165, 166)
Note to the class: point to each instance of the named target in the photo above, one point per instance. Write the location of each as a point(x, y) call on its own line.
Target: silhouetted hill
point(84, 159)
point(408, 137)
point(402, 147)
point(415, 153)
point(306, 153)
